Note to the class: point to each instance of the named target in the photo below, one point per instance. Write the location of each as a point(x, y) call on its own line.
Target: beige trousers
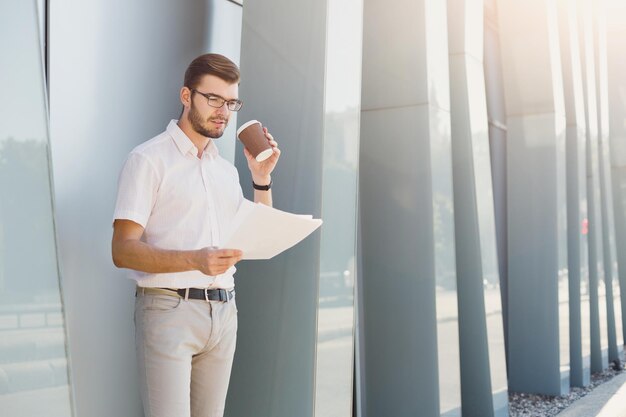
point(185, 352)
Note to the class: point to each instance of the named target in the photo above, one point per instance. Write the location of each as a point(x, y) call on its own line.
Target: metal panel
point(483, 367)
point(604, 168)
point(283, 68)
point(409, 273)
point(538, 329)
point(576, 195)
point(116, 69)
point(496, 112)
point(597, 298)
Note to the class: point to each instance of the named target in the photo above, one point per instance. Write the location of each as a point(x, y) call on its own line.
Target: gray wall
point(282, 67)
point(116, 68)
point(300, 77)
point(410, 320)
point(538, 342)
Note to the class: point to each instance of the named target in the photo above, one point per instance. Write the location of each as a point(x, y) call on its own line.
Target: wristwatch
point(262, 187)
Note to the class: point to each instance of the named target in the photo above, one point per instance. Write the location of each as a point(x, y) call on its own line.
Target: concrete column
point(307, 94)
point(604, 167)
point(483, 365)
point(114, 74)
point(576, 195)
point(538, 324)
point(616, 68)
point(407, 225)
point(597, 299)
point(496, 113)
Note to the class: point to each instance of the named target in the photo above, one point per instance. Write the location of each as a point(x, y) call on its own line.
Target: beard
point(198, 124)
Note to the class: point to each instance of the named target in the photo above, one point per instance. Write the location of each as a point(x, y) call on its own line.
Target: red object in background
point(585, 226)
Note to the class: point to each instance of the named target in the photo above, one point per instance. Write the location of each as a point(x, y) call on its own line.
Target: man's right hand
point(212, 261)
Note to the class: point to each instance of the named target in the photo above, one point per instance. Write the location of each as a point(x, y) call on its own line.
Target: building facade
point(470, 172)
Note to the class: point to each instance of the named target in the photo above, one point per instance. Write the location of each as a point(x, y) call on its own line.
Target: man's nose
point(223, 111)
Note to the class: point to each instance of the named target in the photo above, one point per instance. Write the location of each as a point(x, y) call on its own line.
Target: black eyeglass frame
point(232, 105)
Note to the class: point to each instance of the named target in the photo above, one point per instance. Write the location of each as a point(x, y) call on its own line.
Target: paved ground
point(607, 400)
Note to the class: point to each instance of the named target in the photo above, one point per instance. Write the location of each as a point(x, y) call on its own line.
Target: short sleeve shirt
point(183, 202)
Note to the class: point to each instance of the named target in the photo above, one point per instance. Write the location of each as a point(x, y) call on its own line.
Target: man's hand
point(261, 170)
point(130, 252)
point(212, 261)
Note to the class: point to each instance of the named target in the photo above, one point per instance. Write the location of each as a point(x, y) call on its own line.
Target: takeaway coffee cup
point(252, 136)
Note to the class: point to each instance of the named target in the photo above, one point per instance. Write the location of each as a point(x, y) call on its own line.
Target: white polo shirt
point(183, 202)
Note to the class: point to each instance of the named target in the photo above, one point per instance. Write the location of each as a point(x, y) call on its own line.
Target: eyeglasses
point(217, 101)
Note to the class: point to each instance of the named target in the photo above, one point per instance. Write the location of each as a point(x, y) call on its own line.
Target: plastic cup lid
point(243, 126)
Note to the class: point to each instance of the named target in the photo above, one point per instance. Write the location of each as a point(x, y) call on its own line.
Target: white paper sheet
point(263, 232)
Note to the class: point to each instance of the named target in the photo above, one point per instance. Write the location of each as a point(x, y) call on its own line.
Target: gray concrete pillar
point(98, 52)
point(538, 343)
point(481, 337)
point(576, 195)
point(282, 69)
point(616, 68)
point(604, 167)
point(407, 225)
point(597, 297)
point(294, 354)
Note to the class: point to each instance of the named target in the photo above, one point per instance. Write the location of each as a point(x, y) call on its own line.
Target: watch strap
point(262, 187)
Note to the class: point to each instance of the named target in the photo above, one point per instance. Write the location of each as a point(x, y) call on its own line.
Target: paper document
point(263, 232)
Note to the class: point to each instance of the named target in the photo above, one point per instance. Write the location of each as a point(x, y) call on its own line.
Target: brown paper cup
point(252, 137)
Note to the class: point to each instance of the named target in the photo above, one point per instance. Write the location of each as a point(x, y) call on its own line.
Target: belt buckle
point(206, 294)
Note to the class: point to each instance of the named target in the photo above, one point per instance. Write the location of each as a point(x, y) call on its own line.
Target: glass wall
point(496, 113)
point(33, 360)
point(335, 316)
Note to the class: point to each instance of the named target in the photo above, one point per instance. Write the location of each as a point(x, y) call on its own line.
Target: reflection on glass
point(617, 303)
point(562, 260)
point(585, 326)
point(495, 296)
point(604, 328)
point(335, 323)
point(563, 295)
point(585, 320)
point(445, 270)
point(33, 362)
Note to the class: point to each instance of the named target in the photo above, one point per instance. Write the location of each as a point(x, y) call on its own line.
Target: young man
point(176, 198)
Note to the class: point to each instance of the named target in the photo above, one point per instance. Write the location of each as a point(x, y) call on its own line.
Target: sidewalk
point(607, 400)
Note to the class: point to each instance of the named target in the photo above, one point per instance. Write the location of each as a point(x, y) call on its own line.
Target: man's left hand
point(261, 171)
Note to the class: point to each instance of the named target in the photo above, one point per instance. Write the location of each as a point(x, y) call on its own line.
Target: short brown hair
point(211, 64)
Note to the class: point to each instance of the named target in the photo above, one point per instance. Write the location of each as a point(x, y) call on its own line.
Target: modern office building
point(468, 159)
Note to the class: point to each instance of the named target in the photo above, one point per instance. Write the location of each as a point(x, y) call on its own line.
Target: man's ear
point(185, 97)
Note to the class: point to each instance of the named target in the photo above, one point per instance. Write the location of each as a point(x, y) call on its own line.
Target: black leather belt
point(206, 294)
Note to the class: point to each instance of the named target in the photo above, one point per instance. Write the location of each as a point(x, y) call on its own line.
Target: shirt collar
point(185, 145)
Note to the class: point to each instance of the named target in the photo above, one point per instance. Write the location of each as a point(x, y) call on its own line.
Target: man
point(176, 199)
